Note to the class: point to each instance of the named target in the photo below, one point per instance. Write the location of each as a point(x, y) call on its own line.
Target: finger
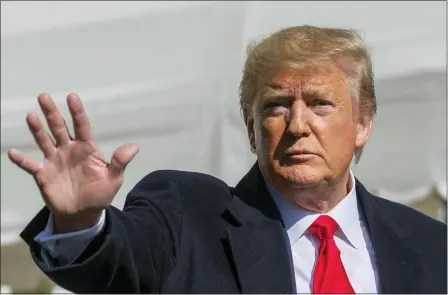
point(121, 158)
point(41, 137)
point(26, 163)
point(81, 122)
point(56, 122)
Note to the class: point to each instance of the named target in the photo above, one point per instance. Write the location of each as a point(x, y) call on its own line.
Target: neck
point(321, 198)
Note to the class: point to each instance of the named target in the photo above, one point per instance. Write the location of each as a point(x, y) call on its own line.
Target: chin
point(301, 176)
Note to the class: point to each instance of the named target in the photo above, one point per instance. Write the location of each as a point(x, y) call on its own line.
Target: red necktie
point(329, 272)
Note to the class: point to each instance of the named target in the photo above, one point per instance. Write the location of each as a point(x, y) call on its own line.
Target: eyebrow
point(319, 92)
point(272, 91)
point(274, 86)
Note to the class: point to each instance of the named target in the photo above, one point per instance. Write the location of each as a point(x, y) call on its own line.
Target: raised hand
point(75, 181)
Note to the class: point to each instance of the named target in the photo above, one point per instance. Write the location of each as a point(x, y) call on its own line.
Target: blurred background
point(166, 74)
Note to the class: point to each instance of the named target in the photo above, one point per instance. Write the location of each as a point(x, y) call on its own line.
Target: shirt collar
point(346, 214)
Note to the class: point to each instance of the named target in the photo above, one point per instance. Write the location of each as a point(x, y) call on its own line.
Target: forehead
point(324, 78)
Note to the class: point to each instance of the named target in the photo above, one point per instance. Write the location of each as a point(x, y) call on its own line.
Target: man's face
point(305, 127)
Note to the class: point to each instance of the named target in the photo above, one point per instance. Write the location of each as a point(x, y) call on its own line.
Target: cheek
point(336, 136)
point(270, 133)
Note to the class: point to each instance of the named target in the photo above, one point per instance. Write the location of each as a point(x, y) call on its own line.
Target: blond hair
point(302, 46)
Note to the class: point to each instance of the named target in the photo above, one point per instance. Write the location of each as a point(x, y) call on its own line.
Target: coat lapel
point(397, 262)
point(257, 239)
point(262, 256)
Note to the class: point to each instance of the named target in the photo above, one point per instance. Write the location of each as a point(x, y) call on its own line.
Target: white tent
point(165, 75)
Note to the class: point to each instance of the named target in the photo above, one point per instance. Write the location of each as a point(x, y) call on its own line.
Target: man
point(299, 221)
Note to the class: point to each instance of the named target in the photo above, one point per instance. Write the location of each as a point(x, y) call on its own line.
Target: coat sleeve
point(136, 250)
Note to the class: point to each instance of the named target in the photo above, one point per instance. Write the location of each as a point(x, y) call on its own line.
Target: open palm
point(74, 178)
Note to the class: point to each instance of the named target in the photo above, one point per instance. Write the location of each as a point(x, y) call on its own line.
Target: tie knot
point(324, 227)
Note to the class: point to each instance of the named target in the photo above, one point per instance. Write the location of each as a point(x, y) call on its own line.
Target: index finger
point(81, 124)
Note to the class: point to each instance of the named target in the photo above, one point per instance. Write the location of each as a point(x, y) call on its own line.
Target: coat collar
point(397, 261)
point(258, 241)
point(262, 254)
point(252, 191)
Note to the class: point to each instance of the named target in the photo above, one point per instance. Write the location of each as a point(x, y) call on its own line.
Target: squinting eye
point(274, 105)
point(320, 103)
point(274, 109)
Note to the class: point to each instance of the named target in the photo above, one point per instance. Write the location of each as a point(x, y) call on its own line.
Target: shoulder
point(410, 216)
point(169, 198)
point(184, 180)
point(402, 216)
point(426, 236)
point(182, 186)
point(424, 232)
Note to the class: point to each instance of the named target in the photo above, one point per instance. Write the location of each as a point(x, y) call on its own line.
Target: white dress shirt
point(352, 240)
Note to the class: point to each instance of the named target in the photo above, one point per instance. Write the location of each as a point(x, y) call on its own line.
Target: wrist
point(65, 224)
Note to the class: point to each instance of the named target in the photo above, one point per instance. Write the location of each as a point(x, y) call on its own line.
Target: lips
point(299, 152)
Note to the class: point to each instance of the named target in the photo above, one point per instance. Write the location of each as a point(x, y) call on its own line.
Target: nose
point(297, 121)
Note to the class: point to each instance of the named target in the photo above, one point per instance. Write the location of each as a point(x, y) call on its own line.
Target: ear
point(363, 129)
point(249, 121)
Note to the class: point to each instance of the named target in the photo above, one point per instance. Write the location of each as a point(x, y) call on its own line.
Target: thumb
point(121, 158)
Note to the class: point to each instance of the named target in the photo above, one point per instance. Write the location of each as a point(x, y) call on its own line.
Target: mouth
point(300, 154)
